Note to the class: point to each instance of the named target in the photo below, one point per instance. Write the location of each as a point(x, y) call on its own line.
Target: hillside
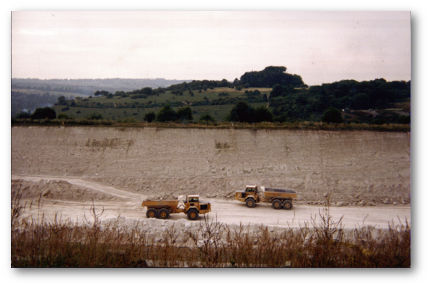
point(28, 94)
point(267, 95)
point(217, 102)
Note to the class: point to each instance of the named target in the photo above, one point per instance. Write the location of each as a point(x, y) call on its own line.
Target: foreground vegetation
point(323, 243)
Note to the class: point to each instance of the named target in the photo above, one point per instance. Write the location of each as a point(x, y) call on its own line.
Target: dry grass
point(223, 125)
point(322, 243)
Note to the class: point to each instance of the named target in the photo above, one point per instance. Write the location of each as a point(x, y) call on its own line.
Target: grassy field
point(216, 102)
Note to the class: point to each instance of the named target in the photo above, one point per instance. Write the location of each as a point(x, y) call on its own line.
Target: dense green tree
point(241, 112)
point(206, 118)
point(149, 117)
point(167, 114)
point(121, 94)
point(44, 113)
point(225, 83)
point(277, 91)
point(360, 101)
point(309, 104)
point(262, 114)
point(185, 114)
point(102, 93)
point(147, 91)
point(269, 77)
point(200, 86)
point(281, 91)
point(23, 115)
point(332, 115)
point(236, 84)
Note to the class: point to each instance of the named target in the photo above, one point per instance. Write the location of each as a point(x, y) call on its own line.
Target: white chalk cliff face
point(355, 166)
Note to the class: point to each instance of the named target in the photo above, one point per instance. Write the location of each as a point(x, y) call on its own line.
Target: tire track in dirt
point(228, 212)
point(85, 184)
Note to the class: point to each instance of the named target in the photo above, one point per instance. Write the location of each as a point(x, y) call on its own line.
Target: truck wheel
point(288, 204)
point(151, 213)
point(276, 204)
point(250, 202)
point(192, 214)
point(164, 213)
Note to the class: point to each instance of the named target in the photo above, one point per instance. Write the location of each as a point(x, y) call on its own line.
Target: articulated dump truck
point(191, 206)
point(280, 198)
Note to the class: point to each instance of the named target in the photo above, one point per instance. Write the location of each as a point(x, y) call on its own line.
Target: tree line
point(291, 104)
point(289, 100)
point(268, 77)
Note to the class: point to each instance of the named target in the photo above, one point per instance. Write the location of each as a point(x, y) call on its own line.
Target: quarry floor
point(71, 198)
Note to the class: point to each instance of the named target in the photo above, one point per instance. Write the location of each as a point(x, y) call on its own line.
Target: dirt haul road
point(70, 198)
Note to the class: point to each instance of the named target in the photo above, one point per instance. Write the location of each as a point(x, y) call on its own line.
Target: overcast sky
point(320, 46)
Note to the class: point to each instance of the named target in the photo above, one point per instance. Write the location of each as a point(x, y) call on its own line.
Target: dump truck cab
point(193, 201)
point(193, 207)
point(250, 195)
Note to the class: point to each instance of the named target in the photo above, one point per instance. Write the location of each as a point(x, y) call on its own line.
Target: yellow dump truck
point(280, 198)
point(191, 206)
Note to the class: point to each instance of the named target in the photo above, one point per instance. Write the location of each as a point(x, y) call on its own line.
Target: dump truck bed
point(171, 204)
point(279, 193)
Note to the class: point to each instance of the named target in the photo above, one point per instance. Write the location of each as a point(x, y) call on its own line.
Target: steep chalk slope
point(357, 167)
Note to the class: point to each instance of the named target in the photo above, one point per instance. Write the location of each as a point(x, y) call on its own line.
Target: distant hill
point(272, 92)
point(28, 94)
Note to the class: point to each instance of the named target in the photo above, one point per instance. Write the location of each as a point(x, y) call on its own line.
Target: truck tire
point(276, 204)
point(288, 204)
point(151, 213)
point(164, 213)
point(192, 214)
point(250, 202)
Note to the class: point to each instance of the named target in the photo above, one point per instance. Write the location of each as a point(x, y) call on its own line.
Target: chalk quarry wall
point(355, 166)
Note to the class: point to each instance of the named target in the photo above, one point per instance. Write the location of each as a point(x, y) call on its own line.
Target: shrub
point(95, 117)
point(240, 113)
point(206, 118)
point(167, 114)
point(63, 117)
point(23, 115)
point(244, 113)
point(332, 115)
point(262, 114)
point(185, 114)
point(44, 113)
point(149, 117)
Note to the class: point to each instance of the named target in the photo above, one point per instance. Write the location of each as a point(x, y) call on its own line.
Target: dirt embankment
point(356, 167)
